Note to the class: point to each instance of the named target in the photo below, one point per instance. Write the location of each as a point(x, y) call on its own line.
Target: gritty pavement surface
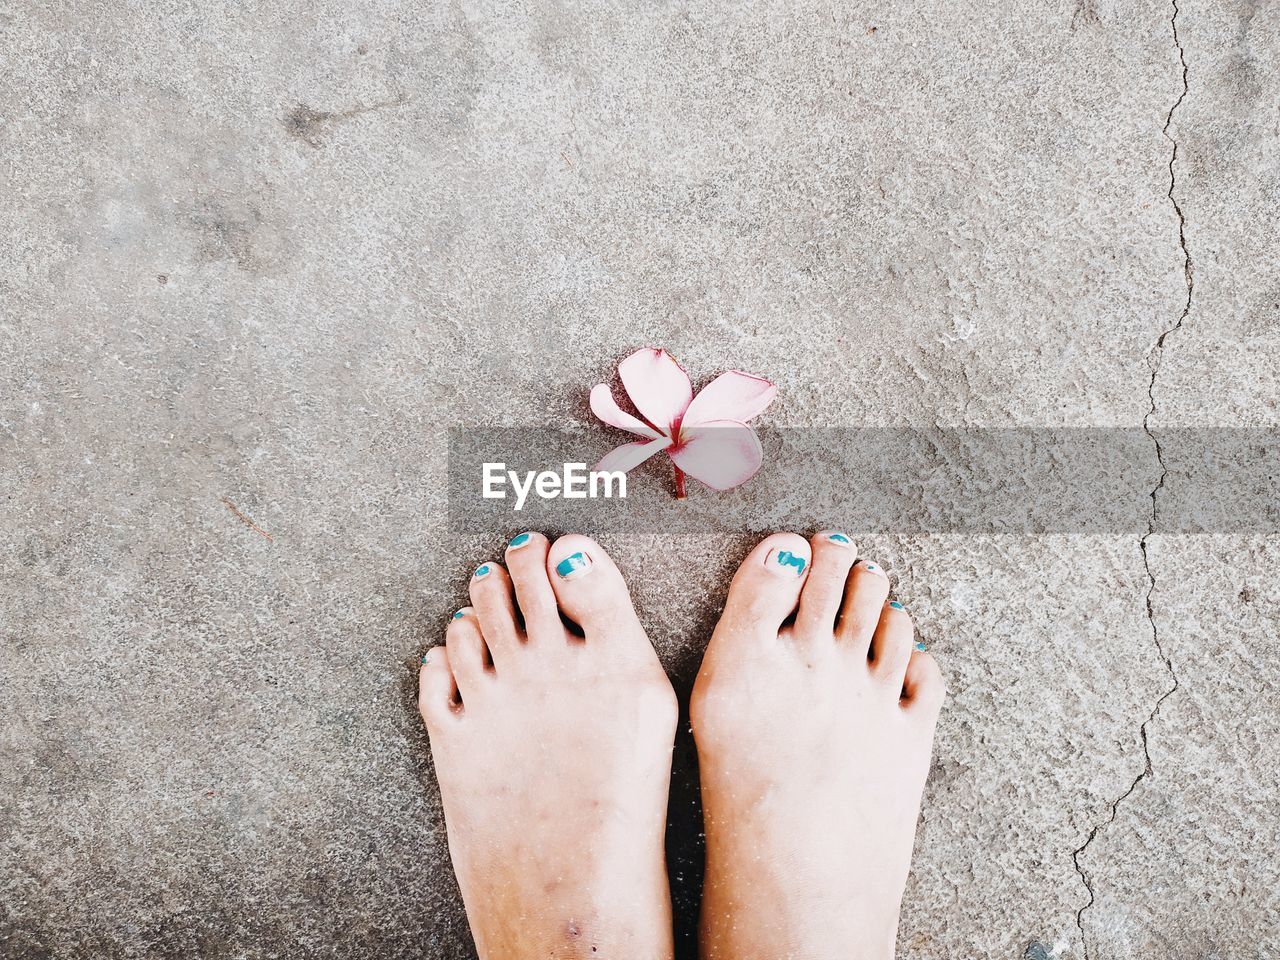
point(256, 261)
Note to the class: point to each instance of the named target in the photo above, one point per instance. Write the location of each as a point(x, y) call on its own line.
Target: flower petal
point(733, 395)
point(606, 408)
point(658, 386)
point(630, 455)
point(721, 453)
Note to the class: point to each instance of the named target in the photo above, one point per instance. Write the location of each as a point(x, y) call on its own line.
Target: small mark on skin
point(245, 520)
point(310, 125)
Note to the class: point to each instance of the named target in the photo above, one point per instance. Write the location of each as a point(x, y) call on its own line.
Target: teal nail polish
point(839, 538)
point(574, 565)
point(457, 615)
point(896, 605)
point(426, 658)
point(786, 561)
point(871, 567)
point(920, 645)
point(519, 540)
point(482, 571)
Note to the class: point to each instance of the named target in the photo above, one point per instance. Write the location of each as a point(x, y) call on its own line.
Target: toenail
point(784, 562)
point(519, 540)
point(482, 571)
point(839, 538)
point(457, 615)
point(426, 658)
point(920, 645)
point(872, 568)
point(574, 565)
point(896, 605)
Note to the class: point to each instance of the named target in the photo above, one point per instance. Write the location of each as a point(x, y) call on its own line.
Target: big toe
point(590, 590)
point(767, 585)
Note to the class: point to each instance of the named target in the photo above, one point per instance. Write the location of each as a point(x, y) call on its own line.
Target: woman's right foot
point(813, 746)
point(553, 752)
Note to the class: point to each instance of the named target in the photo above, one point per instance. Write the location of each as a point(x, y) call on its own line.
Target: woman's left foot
point(813, 746)
point(553, 752)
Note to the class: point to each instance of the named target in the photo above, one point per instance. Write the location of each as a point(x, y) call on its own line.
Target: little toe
point(833, 555)
point(923, 687)
point(865, 592)
point(890, 645)
point(767, 585)
point(468, 655)
point(527, 565)
point(437, 689)
point(590, 589)
point(495, 609)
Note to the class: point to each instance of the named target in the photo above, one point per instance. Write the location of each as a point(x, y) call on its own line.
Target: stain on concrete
point(1085, 14)
point(313, 126)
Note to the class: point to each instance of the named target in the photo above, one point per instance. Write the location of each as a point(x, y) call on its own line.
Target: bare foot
point(813, 745)
point(553, 753)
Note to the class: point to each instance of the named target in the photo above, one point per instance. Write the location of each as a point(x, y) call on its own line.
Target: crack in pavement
point(1154, 357)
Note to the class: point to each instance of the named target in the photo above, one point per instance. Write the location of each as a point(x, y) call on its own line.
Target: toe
point(864, 595)
point(437, 690)
point(495, 610)
point(890, 645)
point(527, 564)
point(590, 588)
point(468, 656)
point(923, 687)
point(833, 555)
point(767, 585)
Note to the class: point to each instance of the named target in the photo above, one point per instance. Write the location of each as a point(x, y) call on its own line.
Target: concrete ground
point(257, 259)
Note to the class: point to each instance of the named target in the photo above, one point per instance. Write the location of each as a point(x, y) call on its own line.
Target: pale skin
point(553, 753)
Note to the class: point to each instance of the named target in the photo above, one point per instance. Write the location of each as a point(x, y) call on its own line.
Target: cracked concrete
point(255, 265)
point(1157, 353)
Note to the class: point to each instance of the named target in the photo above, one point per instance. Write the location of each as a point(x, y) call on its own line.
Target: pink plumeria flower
point(706, 436)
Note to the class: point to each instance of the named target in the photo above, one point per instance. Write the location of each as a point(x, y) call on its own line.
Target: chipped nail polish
point(519, 540)
point(457, 615)
point(896, 605)
point(920, 645)
point(482, 571)
point(839, 538)
point(426, 658)
point(784, 562)
point(872, 568)
point(574, 565)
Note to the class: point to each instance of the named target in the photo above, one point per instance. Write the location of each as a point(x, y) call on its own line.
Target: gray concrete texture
point(257, 259)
